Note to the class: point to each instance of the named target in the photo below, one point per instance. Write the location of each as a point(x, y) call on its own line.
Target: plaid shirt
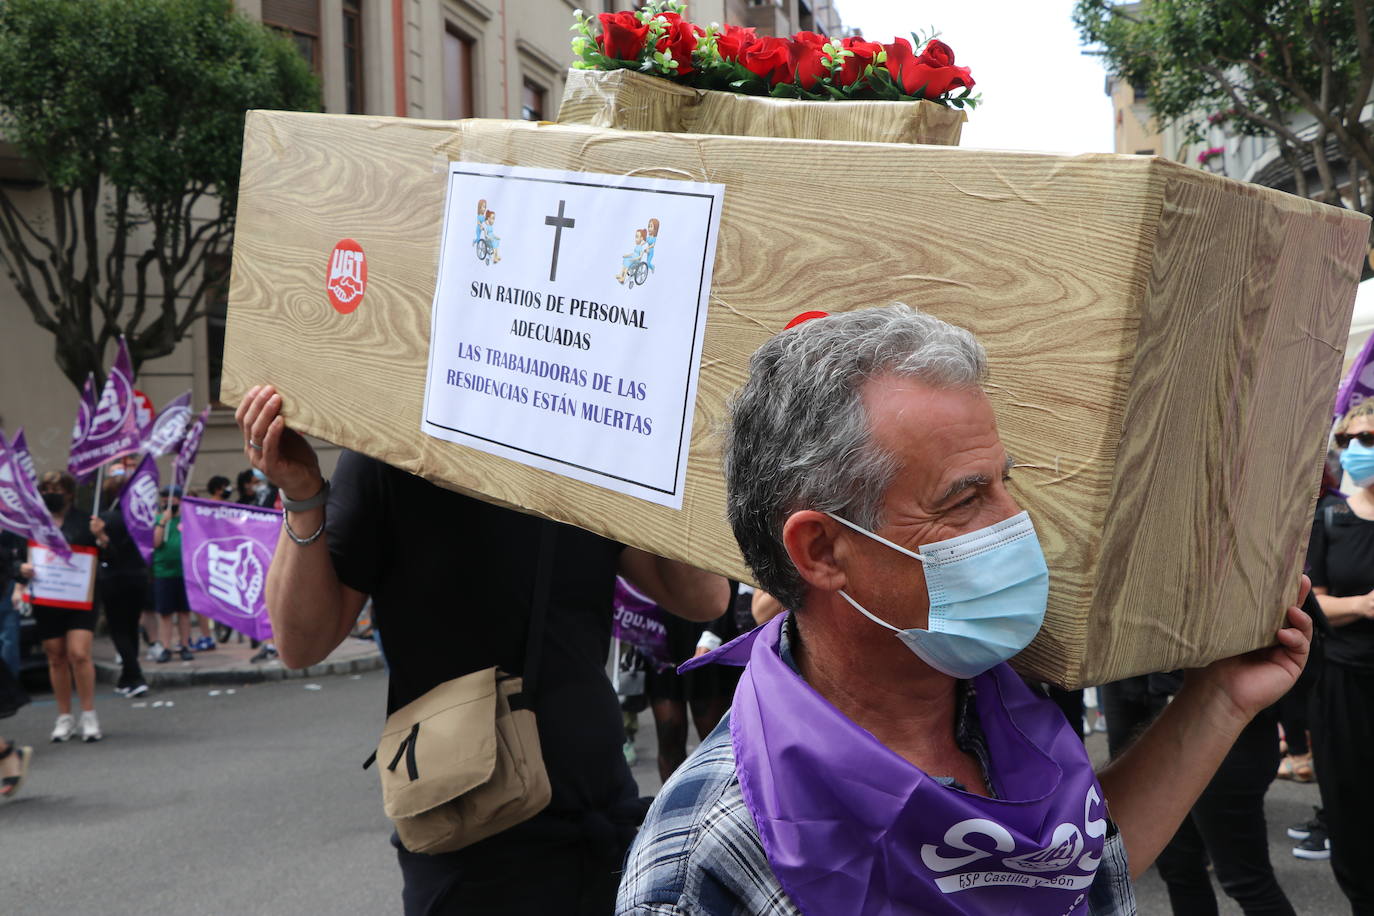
point(699, 854)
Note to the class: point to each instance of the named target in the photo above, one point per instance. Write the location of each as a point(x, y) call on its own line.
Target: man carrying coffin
point(452, 580)
point(881, 756)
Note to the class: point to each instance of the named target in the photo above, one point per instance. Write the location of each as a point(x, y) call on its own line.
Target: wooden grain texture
point(1112, 292)
point(628, 100)
point(1243, 329)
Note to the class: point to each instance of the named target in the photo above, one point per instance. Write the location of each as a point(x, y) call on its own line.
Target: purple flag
point(113, 430)
point(85, 409)
point(166, 432)
point(138, 503)
point(1359, 381)
point(21, 454)
point(226, 550)
point(190, 445)
point(639, 622)
point(22, 504)
point(13, 514)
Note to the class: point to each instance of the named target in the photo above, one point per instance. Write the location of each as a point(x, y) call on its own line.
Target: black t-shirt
point(121, 560)
point(1343, 563)
point(452, 581)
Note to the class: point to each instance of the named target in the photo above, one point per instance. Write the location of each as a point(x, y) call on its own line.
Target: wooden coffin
point(1164, 343)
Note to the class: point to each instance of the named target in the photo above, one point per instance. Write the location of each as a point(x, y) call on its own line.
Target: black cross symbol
point(559, 222)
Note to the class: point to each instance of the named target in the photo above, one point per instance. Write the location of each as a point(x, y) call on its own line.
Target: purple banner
point(190, 445)
point(22, 504)
point(138, 504)
point(113, 430)
point(1359, 381)
point(166, 433)
point(639, 622)
point(226, 550)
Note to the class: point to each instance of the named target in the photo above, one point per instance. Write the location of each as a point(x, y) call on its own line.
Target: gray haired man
point(880, 756)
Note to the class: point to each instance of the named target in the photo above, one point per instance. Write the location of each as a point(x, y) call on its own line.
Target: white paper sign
point(63, 583)
point(568, 321)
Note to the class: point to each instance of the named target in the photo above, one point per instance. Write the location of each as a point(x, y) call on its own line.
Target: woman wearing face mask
point(1341, 555)
point(66, 632)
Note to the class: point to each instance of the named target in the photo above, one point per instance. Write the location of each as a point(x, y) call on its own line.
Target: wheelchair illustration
point(483, 249)
point(638, 272)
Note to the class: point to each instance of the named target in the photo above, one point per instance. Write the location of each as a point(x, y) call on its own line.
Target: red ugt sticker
point(347, 276)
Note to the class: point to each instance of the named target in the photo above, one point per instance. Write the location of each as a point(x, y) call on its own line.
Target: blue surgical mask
point(988, 590)
point(259, 474)
point(1358, 462)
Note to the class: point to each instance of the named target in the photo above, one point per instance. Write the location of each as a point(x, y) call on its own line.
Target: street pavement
point(251, 799)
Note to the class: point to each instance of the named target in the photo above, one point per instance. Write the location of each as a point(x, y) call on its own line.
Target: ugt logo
point(115, 406)
point(347, 276)
point(143, 500)
point(234, 574)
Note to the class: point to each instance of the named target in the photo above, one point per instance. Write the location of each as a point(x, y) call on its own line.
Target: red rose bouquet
point(658, 40)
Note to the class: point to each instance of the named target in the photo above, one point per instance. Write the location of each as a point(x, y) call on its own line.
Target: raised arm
point(311, 610)
point(683, 590)
point(1151, 787)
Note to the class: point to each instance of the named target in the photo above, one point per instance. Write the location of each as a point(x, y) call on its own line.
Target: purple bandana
point(851, 827)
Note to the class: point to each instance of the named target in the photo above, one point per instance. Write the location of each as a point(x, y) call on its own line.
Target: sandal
point(9, 785)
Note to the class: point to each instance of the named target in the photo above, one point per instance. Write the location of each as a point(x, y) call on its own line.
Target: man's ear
point(809, 537)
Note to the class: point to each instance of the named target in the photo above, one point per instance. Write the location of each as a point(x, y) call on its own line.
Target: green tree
point(132, 112)
point(1297, 71)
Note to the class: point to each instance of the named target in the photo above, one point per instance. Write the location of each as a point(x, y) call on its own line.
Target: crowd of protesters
point(145, 606)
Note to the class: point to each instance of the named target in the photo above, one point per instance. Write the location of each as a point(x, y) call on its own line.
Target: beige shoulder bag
point(462, 762)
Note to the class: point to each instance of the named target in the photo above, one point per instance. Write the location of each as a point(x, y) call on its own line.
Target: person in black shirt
point(123, 578)
point(1341, 556)
point(451, 580)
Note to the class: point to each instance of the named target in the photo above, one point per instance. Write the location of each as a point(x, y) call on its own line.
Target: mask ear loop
point(877, 537)
point(881, 540)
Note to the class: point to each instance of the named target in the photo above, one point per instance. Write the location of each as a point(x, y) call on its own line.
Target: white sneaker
point(154, 651)
point(64, 728)
point(90, 726)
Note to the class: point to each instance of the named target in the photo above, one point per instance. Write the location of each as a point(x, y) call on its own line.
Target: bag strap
point(534, 639)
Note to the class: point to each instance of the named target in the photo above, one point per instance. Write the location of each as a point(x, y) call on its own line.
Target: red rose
point(681, 40)
point(854, 65)
point(622, 35)
point(925, 74)
point(938, 54)
point(808, 64)
point(769, 58)
point(731, 41)
point(810, 38)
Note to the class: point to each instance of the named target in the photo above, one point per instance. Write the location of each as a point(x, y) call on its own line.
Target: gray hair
point(799, 435)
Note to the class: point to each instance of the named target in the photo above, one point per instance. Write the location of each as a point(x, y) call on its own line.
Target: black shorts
point(169, 596)
point(56, 622)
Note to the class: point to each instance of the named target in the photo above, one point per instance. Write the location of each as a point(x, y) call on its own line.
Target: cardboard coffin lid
point(1163, 343)
point(635, 101)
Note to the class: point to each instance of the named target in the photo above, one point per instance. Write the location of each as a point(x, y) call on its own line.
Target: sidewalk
point(229, 663)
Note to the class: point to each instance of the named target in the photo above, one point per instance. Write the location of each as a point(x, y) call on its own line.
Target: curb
point(107, 672)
